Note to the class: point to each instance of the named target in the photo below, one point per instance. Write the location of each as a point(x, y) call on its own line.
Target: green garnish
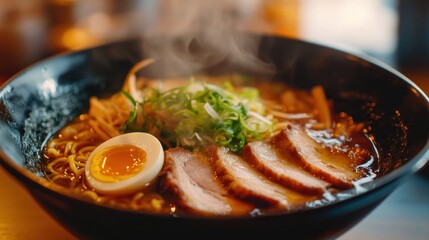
point(200, 114)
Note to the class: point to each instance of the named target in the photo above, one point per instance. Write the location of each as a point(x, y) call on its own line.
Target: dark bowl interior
point(41, 99)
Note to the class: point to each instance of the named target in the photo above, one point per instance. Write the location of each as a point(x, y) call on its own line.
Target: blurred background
point(394, 31)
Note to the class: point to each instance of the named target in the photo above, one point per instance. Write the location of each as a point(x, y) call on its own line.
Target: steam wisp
point(192, 35)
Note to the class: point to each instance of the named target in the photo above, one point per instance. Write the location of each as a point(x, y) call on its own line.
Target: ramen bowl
point(41, 99)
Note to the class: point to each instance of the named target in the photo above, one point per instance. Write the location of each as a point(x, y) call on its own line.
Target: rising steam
point(192, 35)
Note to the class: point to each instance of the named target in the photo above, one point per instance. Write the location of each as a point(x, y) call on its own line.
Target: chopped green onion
point(211, 111)
point(200, 114)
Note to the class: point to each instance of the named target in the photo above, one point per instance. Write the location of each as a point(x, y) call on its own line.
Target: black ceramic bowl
point(35, 103)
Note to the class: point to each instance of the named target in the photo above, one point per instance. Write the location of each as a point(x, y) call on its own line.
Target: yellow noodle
point(75, 181)
point(69, 131)
point(87, 149)
point(81, 158)
point(270, 104)
point(80, 164)
point(72, 163)
point(59, 176)
point(281, 125)
point(52, 152)
point(106, 127)
point(68, 147)
point(98, 131)
point(91, 194)
point(135, 200)
point(77, 145)
point(85, 135)
point(58, 144)
point(82, 143)
point(156, 204)
point(51, 165)
point(96, 107)
point(291, 115)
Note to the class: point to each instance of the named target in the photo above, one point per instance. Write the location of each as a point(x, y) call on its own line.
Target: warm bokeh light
point(32, 30)
point(283, 16)
point(367, 25)
point(75, 38)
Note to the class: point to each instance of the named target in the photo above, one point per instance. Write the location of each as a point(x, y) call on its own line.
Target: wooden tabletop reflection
point(21, 217)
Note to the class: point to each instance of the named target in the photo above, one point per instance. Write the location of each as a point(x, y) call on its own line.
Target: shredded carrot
point(322, 105)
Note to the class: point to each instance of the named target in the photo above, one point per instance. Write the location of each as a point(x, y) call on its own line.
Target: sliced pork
point(245, 182)
point(282, 168)
point(314, 157)
point(189, 178)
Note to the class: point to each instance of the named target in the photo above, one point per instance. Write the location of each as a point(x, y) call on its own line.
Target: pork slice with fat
point(282, 168)
point(245, 182)
point(317, 159)
point(189, 178)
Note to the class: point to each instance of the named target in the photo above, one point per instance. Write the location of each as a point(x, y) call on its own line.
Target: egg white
point(153, 165)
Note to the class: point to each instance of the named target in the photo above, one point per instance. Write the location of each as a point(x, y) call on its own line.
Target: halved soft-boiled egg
point(125, 163)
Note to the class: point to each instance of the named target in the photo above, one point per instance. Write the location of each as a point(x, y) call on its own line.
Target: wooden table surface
point(403, 215)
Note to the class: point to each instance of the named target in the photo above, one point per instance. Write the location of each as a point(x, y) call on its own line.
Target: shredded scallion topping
point(199, 114)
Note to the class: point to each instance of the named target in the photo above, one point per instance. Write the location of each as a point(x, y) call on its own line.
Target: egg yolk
point(117, 163)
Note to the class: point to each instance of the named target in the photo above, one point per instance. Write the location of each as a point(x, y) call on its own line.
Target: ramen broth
point(67, 152)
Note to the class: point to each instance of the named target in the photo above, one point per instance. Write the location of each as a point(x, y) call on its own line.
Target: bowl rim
point(28, 180)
